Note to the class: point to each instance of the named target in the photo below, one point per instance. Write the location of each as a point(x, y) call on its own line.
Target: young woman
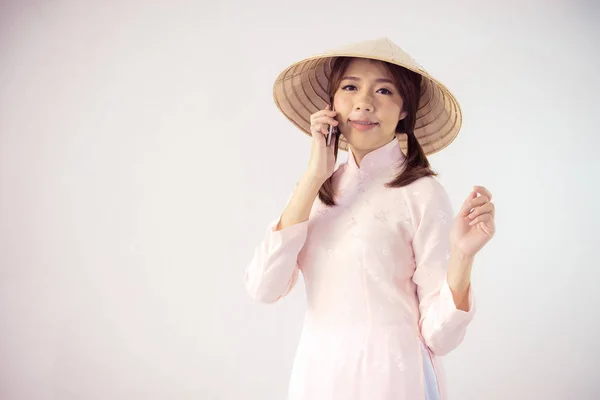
point(386, 265)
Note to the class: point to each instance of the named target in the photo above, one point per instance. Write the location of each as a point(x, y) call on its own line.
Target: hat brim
point(300, 90)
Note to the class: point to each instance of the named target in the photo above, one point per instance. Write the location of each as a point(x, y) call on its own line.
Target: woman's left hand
point(474, 225)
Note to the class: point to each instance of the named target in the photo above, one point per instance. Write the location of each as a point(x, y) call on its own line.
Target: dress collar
point(385, 158)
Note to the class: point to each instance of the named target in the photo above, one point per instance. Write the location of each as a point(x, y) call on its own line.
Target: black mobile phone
point(332, 131)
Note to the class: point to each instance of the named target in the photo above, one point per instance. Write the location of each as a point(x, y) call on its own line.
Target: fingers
point(486, 210)
point(323, 120)
point(320, 123)
point(319, 128)
point(326, 111)
point(319, 133)
point(317, 136)
point(486, 223)
point(473, 201)
point(322, 113)
point(478, 201)
point(324, 117)
point(479, 208)
point(482, 218)
point(483, 191)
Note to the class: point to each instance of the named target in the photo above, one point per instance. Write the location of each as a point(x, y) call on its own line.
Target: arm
point(459, 278)
point(446, 301)
point(273, 270)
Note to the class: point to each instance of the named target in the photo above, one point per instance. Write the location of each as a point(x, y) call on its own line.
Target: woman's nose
point(364, 106)
point(364, 103)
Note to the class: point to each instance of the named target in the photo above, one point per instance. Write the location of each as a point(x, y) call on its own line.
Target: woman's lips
point(364, 126)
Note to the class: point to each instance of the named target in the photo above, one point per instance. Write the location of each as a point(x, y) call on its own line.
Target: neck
point(385, 157)
point(359, 154)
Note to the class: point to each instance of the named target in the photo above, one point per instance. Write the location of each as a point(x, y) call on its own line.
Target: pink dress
point(374, 268)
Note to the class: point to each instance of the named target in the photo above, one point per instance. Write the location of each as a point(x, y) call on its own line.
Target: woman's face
point(369, 106)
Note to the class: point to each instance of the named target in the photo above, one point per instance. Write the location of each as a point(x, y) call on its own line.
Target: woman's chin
point(364, 141)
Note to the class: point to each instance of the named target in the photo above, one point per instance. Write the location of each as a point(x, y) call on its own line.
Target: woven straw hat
point(301, 90)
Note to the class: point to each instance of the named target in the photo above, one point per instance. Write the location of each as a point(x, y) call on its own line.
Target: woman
point(386, 267)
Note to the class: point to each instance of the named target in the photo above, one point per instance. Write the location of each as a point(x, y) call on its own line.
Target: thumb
point(317, 137)
point(466, 209)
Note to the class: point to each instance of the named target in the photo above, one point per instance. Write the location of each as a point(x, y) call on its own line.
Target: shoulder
point(426, 195)
point(426, 189)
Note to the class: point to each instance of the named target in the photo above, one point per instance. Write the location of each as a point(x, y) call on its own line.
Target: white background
point(142, 156)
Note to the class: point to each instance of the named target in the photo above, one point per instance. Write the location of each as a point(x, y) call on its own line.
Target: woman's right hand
point(322, 158)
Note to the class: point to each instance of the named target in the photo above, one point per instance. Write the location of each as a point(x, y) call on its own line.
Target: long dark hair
point(408, 84)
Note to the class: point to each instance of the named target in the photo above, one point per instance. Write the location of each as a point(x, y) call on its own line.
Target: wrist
point(461, 256)
point(313, 179)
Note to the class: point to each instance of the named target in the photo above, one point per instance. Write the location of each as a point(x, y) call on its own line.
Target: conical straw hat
point(301, 90)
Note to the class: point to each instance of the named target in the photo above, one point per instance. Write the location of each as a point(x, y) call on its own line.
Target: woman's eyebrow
point(378, 80)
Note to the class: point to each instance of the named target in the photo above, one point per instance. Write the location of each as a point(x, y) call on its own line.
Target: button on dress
point(380, 314)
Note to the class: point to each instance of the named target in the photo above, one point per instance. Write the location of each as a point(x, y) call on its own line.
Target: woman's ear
point(403, 115)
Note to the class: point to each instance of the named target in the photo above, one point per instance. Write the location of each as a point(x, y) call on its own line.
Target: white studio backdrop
point(142, 156)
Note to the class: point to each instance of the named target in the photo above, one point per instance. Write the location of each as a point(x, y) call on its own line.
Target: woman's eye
point(352, 87)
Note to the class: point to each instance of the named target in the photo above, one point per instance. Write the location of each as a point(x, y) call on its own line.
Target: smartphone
point(332, 131)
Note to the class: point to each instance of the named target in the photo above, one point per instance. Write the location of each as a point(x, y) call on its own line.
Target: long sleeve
point(273, 270)
point(442, 325)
